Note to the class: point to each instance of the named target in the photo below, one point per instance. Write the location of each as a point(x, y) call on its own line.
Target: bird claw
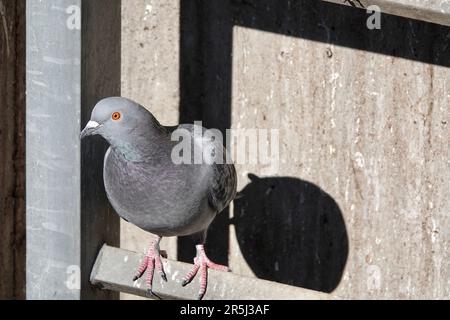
point(151, 261)
point(200, 296)
point(202, 263)
point(185, 282)
point(151, 294)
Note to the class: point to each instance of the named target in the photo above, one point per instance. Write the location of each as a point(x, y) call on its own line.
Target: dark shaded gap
point(205, 76)
point(12, 155)
point(100, 78)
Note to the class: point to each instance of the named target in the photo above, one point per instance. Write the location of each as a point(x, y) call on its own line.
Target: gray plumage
point(145, 186)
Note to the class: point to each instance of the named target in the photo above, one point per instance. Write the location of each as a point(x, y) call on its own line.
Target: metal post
point(73, 59)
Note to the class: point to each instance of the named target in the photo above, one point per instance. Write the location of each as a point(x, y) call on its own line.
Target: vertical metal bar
point(52, 149)
point(58, 237)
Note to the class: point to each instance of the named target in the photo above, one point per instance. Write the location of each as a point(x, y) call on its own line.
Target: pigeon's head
point(116, 116)
point(123, 123)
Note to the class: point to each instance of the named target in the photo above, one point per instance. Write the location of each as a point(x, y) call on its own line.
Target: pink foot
point(202, 263)
point(152, 261)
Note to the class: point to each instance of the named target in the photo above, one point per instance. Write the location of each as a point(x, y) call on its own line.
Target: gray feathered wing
point(224, 184)
point(224, 180)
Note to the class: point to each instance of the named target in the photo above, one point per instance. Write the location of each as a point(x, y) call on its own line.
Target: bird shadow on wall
point(291, 231)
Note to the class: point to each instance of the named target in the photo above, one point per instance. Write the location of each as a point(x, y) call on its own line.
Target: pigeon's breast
point(158, 196)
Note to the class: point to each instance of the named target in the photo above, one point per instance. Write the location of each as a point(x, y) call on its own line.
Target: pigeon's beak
point(90, 129)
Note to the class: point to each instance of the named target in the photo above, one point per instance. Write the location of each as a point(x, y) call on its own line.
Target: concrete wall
point(359, 205)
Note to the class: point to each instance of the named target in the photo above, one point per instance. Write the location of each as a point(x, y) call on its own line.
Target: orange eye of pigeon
point(116, 116)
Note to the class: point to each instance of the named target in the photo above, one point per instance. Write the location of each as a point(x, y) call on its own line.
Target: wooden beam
point(114, 270)
point(73, 60)
point(12, 155)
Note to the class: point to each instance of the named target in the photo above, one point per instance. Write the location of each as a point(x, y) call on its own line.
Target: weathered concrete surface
point(150, 71)
point(370, 130)
point(114, 270)
point(12, 154)
point(363, 138)
point(436, 11)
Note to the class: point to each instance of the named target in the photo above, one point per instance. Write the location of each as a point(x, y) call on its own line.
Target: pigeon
point(151, 188)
